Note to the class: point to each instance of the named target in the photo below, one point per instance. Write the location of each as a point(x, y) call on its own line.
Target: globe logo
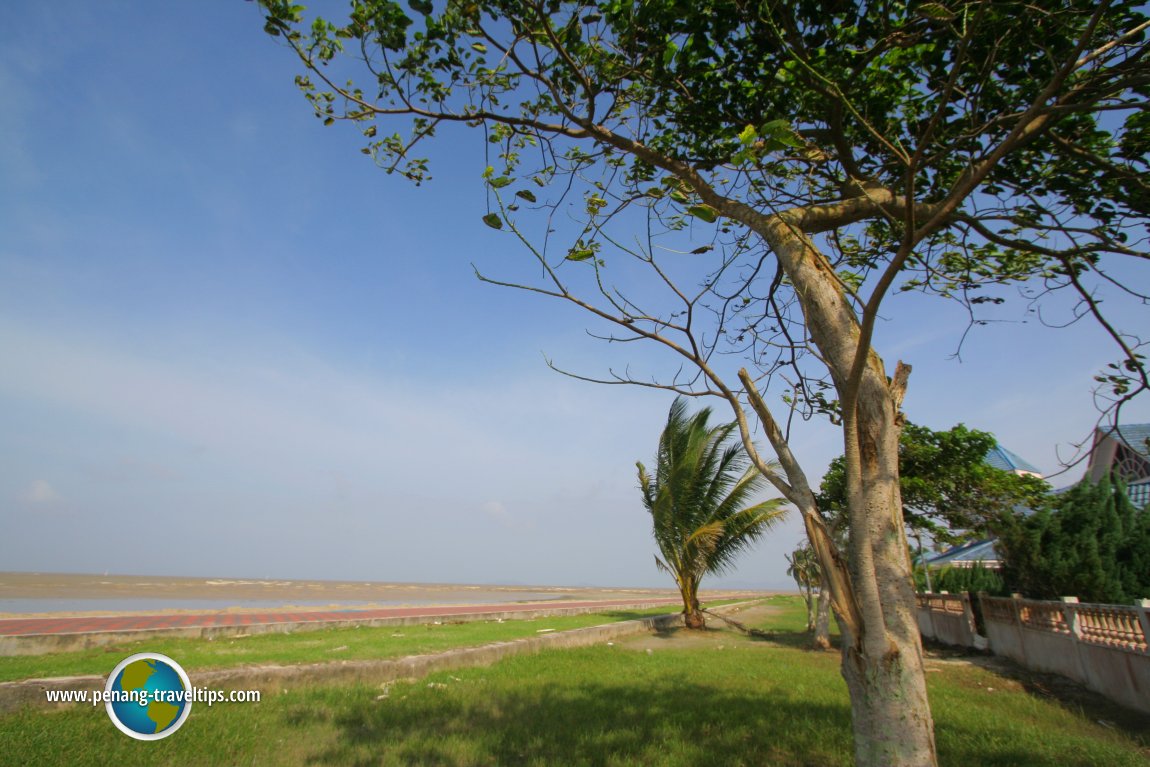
point(148, 696)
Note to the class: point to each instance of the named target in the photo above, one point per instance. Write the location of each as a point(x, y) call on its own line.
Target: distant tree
point(1090, 542)
point(803, 566)
point(949, 492)
point(698, 500)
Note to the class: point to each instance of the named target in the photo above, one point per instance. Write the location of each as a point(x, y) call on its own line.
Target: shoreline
point(295, 595)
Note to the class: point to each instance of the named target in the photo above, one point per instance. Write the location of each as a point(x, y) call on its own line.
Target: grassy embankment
point(717, 699)
point(324, 645)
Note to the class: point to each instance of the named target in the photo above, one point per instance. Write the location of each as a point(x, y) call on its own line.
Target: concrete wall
point(946, 618)
point(1104, 647)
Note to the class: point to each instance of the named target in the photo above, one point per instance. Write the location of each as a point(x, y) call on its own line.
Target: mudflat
point(61, 586)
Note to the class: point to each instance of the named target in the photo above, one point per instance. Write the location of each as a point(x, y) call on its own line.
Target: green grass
point(725, 699)
point(334, 644)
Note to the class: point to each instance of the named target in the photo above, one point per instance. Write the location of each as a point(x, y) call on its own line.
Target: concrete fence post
point(1016, 603)
point(982, 639)
point(968, 619)
point(1070, 613)
point(1143, 608)
point(1071, 616)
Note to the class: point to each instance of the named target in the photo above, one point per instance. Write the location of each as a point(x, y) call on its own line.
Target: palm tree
point(803, 566)
point(697, 500)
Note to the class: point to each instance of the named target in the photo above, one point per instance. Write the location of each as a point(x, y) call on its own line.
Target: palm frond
point(700, 495)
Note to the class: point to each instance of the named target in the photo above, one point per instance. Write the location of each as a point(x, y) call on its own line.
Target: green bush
point(956, 580)
point(1091, 543)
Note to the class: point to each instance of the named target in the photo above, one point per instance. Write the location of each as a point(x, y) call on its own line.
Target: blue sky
point(232, 346)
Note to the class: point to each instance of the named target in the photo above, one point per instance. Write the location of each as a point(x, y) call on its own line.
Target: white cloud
point(498, 512)
point(41, 493)
point(290, 418)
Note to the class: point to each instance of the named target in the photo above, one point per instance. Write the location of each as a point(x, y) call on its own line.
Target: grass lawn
point(333, 644)
point(720, 698)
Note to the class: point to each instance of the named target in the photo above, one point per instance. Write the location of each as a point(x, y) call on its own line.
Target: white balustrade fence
point(1105, 647)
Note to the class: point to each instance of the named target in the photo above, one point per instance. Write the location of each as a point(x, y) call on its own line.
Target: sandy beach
point(294, 594)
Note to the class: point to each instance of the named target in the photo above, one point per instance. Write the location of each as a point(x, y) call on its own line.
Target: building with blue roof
point(1001, 458)
point(983, 551)
point(1123, 452)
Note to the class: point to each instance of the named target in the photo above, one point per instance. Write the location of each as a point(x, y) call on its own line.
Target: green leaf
point(420, 6)
point(704, 213)
point(526, 195)
point(935, 11)
point(493, 220)
point(581, 254)
point(499, 183)
point(479, 47)
point(781, 131)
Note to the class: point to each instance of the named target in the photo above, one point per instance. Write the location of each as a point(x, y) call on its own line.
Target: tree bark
point(822, 640)
point(890, 717)
point(883, 667)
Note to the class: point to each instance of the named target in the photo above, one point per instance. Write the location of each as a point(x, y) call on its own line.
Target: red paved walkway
point(30, 626)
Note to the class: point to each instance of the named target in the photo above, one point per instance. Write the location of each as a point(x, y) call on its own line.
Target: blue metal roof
point(1136, 435)
point(1001, 458)
point(977, 551)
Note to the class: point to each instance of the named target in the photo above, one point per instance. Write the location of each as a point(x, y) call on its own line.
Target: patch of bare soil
point(717, 635)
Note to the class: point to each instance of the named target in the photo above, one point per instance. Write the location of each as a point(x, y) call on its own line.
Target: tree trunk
point(882, 650)
point(922, 562)
point(692, 612)
point(810, 602)
point(890, 716)
point(822, 640)
point(883, 667)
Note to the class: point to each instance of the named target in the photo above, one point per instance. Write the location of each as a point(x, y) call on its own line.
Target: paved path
point(82, 625)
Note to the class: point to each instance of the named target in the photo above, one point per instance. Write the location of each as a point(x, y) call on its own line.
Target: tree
point(1090, 542)
point(697, 499)
point(948, 490)
point(803, 566)
point(787, 166)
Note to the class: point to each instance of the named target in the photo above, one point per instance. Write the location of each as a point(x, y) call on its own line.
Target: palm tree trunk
point(692, 612)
